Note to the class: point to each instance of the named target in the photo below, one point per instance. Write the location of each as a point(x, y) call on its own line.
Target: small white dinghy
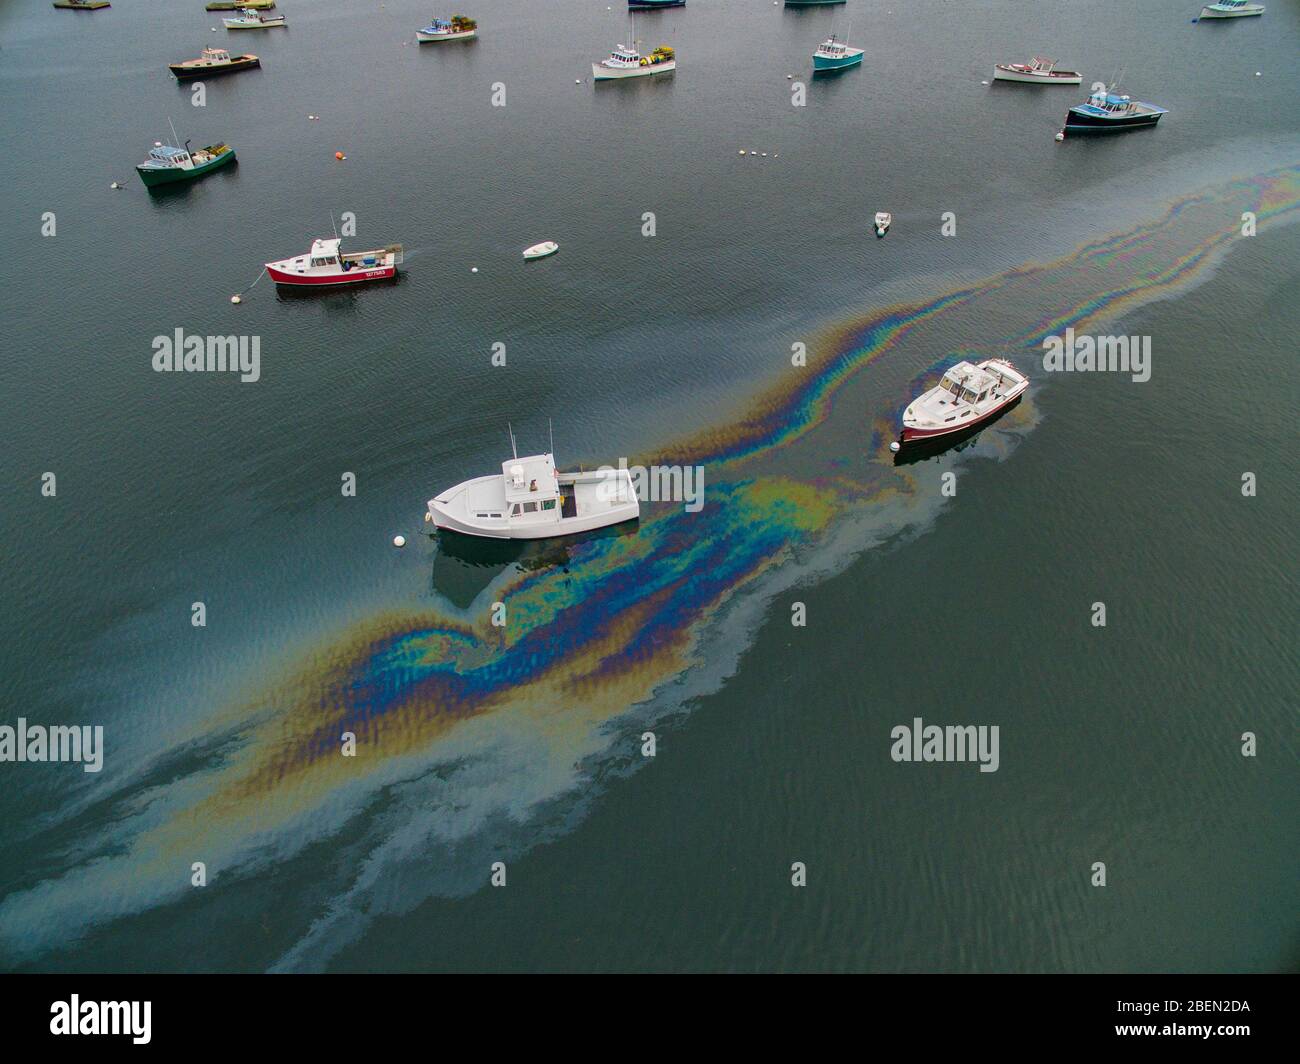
point(540, 251)
point(528, 499)
point(965, 397)
point(1231, 9)
point(248, 19)
point(883, 221)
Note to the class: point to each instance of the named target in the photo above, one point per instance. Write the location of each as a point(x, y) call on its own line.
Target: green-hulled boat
point(236, 5)
point(167, 165)
point(82, 5)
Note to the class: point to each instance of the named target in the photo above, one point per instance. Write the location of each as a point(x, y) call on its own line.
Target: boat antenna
point(551, 432)
point(333, 226)
point(175, 138)
point(513, 449)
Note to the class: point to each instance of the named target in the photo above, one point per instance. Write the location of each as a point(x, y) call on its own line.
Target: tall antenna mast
point(513, 449)
point(551, 431)
point(333, 226)
point(176, 139)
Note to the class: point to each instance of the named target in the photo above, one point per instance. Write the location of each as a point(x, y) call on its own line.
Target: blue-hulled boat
point(653, 5)
point(834, 54)
point(1106, 113)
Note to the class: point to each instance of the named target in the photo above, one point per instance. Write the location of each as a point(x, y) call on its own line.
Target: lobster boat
point(213, 61)
point(167, 164)
point(1225, 9)
point(248, 19)
point(966, 396)
point(883, 221)
point(653, 5)
point(237, 5)
point(325, 265)
point(82, 5)
point(629, 63)
point(834, 54)
point(1107, 113)
point(529, 499)
point(1037, 71)
point(456, 28)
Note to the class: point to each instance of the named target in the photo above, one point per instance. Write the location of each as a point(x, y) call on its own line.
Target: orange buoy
point(338, 155)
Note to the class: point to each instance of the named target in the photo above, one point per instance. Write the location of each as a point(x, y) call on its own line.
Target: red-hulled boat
point(325, 265)
point(966, 396)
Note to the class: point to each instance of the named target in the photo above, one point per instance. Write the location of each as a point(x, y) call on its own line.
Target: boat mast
point(510, 429)
point(551, 432)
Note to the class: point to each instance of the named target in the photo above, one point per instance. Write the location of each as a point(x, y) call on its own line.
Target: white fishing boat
point(1038, 71)
point(540, 251)
point(966, 396)
point(1231, 9)
point(529, 499)
point(883, 221)
point(456, 28)
point(627, 62)
point(249, 19)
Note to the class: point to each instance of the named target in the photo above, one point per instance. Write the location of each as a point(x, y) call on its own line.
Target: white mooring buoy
point(236, 298)
point(895, 447)
point(399, 541)
point(1060, 134)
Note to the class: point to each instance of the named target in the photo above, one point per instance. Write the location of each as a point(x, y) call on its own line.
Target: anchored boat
point(325, 265)
point(1037, 71)
point(1105, 113)
point(883, 221)
point(834, 54)
point(966, 396)
point(627, 62)
point(540, 251)
point(653, 5)
point(529, 499)
point(248, 19)
point(236, 5)
point(1225, 9)
point(167, 164)
point(213, 61)
point(456, 28)
point(82, 5)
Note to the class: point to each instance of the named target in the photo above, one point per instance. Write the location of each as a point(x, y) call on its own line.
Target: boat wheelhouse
point(1105, 112)
point(1038, 71)
point(325, 265)
point(456, 28)
point(529, 499)
point(834, 54)
point(248, 19)
point(1231, 9)
point(627, 62)
point(213, 61)
point(167, 164)
point(966, 396)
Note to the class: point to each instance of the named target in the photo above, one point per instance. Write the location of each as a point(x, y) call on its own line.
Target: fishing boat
point(248, 19)
point(529, 499)
point(653, 5)
point(1231, 9)
point(966, 397)
point(540, 251)
point(1105, 113)
point(627, 62)
point(325, 265)
point(213, 61)
point(812, 3)
point(834, 54)
point(456, 28)
point(167, 164)
point(237, 5)
point(1037, 71)
point(883, 221)
point(81, 5)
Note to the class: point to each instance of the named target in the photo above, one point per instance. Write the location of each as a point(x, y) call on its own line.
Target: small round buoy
point(428, 518)
point(895, 447)
point(789, 77)
point(983, 82)
point(236, 298)
point(399, 541)
point(473, 269)
point(1258, 73)
point(1060, 134)
point(776, 155)
point(114, 185)
point(339, 156)
point(742, 151)
point(764, 155)
point(577, 81)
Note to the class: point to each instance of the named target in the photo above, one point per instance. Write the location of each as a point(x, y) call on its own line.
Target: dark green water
point(1118, 744)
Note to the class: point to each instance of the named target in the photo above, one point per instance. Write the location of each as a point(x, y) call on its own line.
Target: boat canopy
point(167, 153)
point(530, 479)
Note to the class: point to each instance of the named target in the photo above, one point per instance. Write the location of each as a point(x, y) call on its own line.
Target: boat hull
point(1083, 122)
point(337, 279)
point(188, 73)
point(1060, 77)
point(270, 24)
point(1209, 12)
point(604, 73)
point(172, 175)
point(823, 64)
point(89, 5)
point(919, 436)
point(653, 5)
point(812, 3)
point(433, 38)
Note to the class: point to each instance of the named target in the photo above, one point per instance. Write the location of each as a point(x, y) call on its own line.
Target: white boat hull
point(593, 500)
point(1254, 9)
point(600, 72)
point(1029, 78)
point(429, 38)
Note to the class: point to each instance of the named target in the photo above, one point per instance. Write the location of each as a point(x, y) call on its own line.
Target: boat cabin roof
point(530, 478)
point(215, 53)
point(167, 151)
point(969, 376)
point(324, 247)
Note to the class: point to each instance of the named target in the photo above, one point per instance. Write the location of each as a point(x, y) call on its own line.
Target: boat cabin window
point(948, 386)
point(514, 510)
point(982, 395)
point(548, 504)
point(324, 260)
point(968, 395)
point(530, 507)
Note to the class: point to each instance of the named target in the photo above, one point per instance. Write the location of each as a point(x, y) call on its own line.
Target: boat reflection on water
point(465, 565)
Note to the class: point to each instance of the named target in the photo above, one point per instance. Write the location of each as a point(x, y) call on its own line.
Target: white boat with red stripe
point(325, 265)
point(966, 396)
